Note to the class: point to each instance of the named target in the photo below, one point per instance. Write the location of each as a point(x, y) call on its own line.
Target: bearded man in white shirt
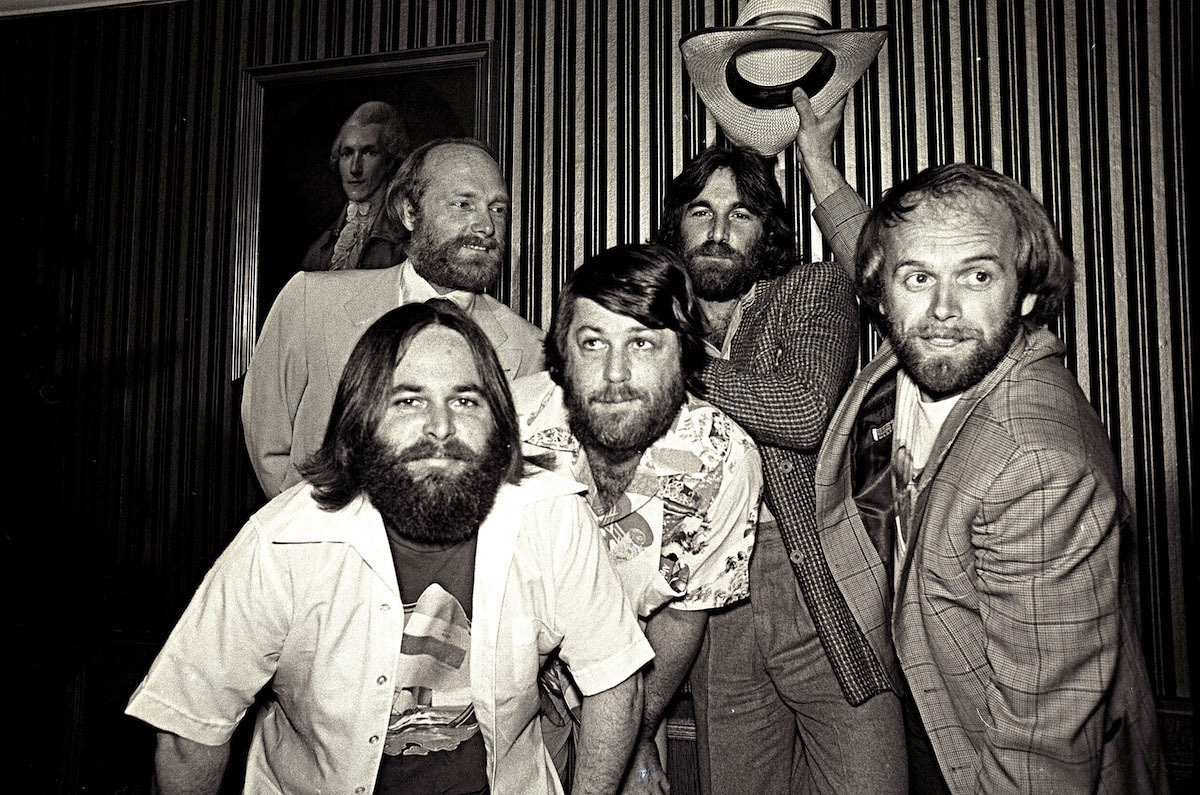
point(398, 603)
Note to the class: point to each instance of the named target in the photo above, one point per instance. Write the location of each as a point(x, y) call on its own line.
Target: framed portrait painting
point(287, 194)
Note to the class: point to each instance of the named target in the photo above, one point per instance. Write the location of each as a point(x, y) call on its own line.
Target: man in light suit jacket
point(971, 509)
point(453, 199)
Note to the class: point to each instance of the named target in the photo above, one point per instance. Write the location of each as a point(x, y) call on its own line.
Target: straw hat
point(745, 74)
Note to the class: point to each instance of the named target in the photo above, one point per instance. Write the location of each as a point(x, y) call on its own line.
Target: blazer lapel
point(851, 553)
point(378, 295)
point(958, 417)
point(485, 316)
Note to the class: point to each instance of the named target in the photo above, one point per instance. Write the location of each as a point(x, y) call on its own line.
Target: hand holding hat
point(746, 74)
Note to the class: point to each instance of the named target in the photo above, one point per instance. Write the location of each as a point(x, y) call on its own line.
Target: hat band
point(787, 19)
point(778, 96)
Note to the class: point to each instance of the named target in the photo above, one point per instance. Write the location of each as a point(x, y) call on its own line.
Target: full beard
point(602, 421)
point(721, 282)
point(449, 264)
point(436, 506)
point(945, 375)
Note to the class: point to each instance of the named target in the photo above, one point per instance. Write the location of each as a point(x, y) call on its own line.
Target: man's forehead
point(368, 133)
point(591, 314)
point(720, 184)
point(437, 357)
point(974, 207)
point(953, 230)
point(465, 169)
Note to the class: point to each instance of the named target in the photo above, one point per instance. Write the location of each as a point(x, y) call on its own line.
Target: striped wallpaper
point(597, 115)
point(126, 119)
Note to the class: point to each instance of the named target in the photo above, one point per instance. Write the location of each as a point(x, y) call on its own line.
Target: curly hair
point(646, 282)
point(758, 189)
point(1044, 268)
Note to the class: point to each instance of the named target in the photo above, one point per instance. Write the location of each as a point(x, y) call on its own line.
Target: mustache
point(617, 393)
point(474, 240)
point(926, 330)
point(713, 248)
point(425, 449)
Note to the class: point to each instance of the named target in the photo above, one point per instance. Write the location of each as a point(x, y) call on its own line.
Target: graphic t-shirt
point(433, 742)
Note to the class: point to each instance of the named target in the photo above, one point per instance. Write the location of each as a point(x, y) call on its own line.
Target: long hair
point(1044, 268)
point(758, 190)
point(646, 282)
point(410, 181)
point(335, 469)
point(393, 138)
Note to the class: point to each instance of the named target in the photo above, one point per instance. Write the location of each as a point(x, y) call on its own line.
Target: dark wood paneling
point(122, 127)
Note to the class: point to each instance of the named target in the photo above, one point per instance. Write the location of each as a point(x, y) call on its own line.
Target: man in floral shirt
point(673, 481)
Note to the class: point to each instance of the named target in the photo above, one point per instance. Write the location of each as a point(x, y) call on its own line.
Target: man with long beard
point(399, 602)
point(450, 195)
point(972, 511)
point(674, 483)
point(788, 694)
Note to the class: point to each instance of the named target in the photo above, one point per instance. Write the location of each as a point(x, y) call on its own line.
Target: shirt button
point(360, 789)
point(374, 739)
point(385, 607)
point(797, 557)
point(381, 680)
point(786, 466)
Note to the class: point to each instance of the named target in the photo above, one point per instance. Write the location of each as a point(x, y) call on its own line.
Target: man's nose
point(616, 366)
point(945, 304)
point(439, 422)
point(719, 230)
point(356, 163)
point(482, 223)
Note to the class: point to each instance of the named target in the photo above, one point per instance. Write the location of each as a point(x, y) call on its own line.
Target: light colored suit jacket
point(1011, 620)
point(309, 334)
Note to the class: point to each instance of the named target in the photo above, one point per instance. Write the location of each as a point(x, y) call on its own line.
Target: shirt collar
point(735, 321)
point(415, 288)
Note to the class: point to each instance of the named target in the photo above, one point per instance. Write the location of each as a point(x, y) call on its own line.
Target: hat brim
point(768, 130)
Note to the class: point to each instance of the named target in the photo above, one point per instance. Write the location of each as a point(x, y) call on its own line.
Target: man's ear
point(1027, 303)
point(408, 214)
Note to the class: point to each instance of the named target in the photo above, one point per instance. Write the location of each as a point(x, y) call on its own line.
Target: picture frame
point(286, 194)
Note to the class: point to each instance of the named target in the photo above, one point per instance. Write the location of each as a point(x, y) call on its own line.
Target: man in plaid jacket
point(970, 507)
point(789, 694)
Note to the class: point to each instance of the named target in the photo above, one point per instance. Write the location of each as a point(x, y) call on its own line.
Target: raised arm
point(840, 211)
point(275, 382)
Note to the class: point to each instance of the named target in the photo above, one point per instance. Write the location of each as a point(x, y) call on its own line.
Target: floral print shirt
point(683, 531)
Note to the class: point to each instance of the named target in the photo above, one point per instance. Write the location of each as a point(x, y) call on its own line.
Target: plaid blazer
point(1011, 619)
